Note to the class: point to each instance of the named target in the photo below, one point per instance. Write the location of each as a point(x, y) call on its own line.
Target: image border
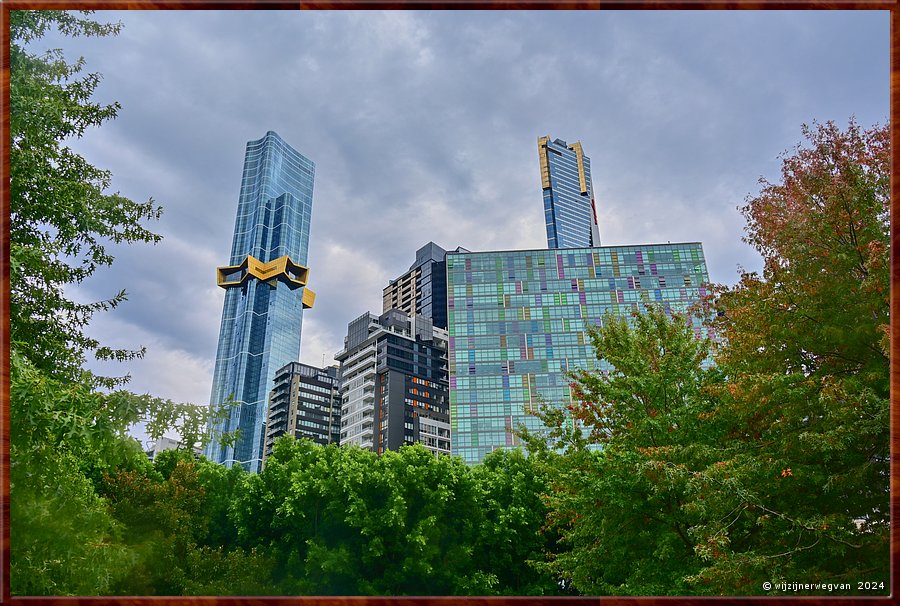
point(893, 6)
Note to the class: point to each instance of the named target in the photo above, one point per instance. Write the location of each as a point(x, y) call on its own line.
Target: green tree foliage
point(805, 405)
point(65, 432)
point(175, 523)
point(215, 571)
point(164, 512)
point(61, 219)
point(771, 466)
point(346, 521)
point(63, 540)
point(222, 486)
point(162, 518)
point(64, 438)
point(509, 541)
point(620, 509)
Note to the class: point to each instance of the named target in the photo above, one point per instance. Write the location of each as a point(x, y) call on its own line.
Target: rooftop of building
point(558, 250)
point(394, 321)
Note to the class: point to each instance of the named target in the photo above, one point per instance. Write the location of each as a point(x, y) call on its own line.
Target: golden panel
point(579, 159)
point(545, 163)
point(281, 269)
point(309, 298)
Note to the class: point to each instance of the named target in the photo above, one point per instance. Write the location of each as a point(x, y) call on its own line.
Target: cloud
point(165, 371)
point(423, 126)
point(171, 289)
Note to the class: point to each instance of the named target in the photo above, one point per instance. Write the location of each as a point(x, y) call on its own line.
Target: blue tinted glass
point(261, 321)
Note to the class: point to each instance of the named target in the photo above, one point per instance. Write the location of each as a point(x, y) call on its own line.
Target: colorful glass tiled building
point(517, 322)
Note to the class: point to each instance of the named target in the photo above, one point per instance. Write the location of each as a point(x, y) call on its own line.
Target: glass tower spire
point(265, 294)
point(569, 209)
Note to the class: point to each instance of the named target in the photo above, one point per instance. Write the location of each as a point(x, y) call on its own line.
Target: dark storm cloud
point(423, 126)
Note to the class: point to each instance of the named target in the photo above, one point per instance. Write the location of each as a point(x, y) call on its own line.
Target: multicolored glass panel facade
point(518, 321)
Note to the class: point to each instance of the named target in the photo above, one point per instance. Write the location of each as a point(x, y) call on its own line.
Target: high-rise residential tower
point(265, 294)
point(394, 383)
point(422, 290)
point(569, 209)
point(305, 403)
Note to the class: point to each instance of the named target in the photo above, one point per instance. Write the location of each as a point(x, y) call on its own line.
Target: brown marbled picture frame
point(8, 5)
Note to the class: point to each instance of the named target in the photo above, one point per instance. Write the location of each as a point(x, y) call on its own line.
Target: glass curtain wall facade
point(518, 323)
point(265, 294)
point(569, 209)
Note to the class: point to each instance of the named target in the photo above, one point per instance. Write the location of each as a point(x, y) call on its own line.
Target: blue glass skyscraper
point(569, 209)
point(265, 294)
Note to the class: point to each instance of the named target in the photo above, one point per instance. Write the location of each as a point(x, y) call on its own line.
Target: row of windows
point(494, 283)
point(512, 367)
point(571, 334)
point(573, 354)
point(318, 408)
point(427, 406)
point(426, 383)
point(556, 280)
point(540, 380)
point(442, 445)
point(624, 304)
point(310, 423)
point(485, 426)
point(433, 430)
point(533, 328)
point(306, 387)
point(311, 397)
point(643, 253)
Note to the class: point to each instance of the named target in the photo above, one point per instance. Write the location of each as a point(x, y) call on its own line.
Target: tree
point(773, 465)
point(621, 509)
point(165, 516)
point(63, 539)
point(61, 219)
point(64, 438)
point(346, 521)
point(222, 486)
point(65, 431)
point(806, 402)
point(509, 541)
point(216, 571)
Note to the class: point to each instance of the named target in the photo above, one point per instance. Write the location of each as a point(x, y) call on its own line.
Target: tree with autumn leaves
point(772, 463)
point(804, 405)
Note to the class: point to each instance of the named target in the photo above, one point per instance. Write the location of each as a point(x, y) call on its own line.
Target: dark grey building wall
point(304, 402)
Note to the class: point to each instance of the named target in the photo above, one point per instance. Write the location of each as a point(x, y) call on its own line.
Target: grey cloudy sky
point(424, 125)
